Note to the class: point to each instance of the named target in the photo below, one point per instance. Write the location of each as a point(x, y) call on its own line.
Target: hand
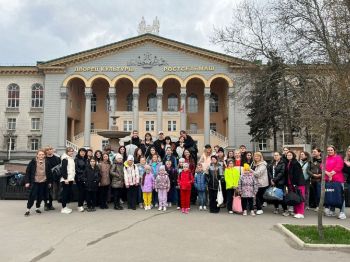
point(49, 185)
point(66, 182)
point(27, 185)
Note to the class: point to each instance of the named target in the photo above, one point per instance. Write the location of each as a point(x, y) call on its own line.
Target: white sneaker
point(178, 208)
point(252, 213)
point(164, 208)
point(230, 212)
point(200, 208)
point(259, 212)
point(327, 212)
point(342, 215)
point(316, 209)
point(264, 204)
point(169, 204)
point(80, 209)
point(244, 212)
point(156, 205)
point(205, 208)
point(141, 205)
point(66, 210)
point(298, 216)
point(160, 209)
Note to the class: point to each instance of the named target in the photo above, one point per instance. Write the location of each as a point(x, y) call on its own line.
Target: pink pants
point(300, 208)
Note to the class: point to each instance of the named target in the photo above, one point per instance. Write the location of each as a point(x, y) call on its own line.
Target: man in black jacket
point(52, 161)
point(38, 179)
point(159, 144)
point(190, 144)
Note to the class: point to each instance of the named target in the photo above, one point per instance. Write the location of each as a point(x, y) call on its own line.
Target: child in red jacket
point(185, 181)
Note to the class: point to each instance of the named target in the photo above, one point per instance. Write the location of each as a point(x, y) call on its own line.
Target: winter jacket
point(185, 180)
point(155, 168)
point(68, 168)
point(117, 175)
point(294, 173)
point(162, 182)
point(131, 175)
point(31, 170)
point(315, 168)
point(214, 175)
point(105, 171)
point(248, 185)
point(180, 151)
point(53, 161)
point(148, 184)
point(305, 166)
point(276, 173)
point(335, 163)
point(232, 176)
point(200, 181)
point(192, 165)
point(172, 158)
point(172, 173)
point(158, 146)
point(260, 174)
point(92, 178)
point(80, 166)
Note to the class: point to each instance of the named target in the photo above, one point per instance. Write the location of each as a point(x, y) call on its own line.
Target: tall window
point(213, 126)
point(11, 143)
point(13, 96)
point(11, 123)
point(214, 103)
point(262, 143)
point(192, 103)
point(34, 144)
point(127, 125)
point(172, 103)
point(172, 125)
point(152, 103)
point(129, 100)
point(149, 126)
point(93, 102)
point(35, 123)
point(37, 95)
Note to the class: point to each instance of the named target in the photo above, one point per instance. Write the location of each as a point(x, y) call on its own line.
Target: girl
point(167, 142)
point(132, 179)
point(155, 164)
point(93, 177)
point(98, 156)
point(122, 151)
point(81, 164)
point(137, 155)
point(162, 186)
point(200, 183)
point(172, 173)
point(247, 188)
point(214, 176)
point(147, 186)
point(117, 174)
point(232, 175)
point(179, 170)
point(141, 167)
point(192, 166)
point(169, 156)
point(180, 146)
point(146, 144)
point(105, 167)
point(205, 158)
point(152, 152)
point(185, 181)
point(249, 158)
point(68, 176)
point(230, 155)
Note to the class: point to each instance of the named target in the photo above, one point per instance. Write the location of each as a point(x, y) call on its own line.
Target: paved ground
point(109, 235)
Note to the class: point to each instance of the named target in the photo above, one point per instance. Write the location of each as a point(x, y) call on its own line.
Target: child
point(179, 170)
point(155, 164)
point(172, 173)
point(247, 187)
point(117, 175)
point(92, 177)
point(232, 175)
point(185, 181)
point(141, 167)
point(162, 186)
point(169, 156)
point(200, 183)
point(147, 186)
point(131, 179)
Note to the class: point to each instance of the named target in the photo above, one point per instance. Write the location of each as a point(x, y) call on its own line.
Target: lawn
point(309, 234)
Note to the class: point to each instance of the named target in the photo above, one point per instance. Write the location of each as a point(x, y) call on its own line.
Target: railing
point(72, 145)
point(92, 132)
point(220, 137)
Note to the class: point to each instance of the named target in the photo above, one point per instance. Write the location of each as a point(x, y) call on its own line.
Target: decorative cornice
point(19, 70)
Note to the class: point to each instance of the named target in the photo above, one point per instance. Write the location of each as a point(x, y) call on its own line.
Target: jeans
point(37, 192)
point(81, 193)
point(202, 198)
point(117, 193)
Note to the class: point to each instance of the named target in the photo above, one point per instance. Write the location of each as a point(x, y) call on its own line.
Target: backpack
point(57, 172)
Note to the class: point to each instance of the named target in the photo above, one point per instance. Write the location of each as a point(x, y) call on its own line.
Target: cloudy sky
point(39, 30)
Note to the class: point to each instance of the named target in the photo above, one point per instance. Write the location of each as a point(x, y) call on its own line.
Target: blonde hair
point(260, 155)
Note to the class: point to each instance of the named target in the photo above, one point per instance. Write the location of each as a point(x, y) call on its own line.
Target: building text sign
point(132, 68)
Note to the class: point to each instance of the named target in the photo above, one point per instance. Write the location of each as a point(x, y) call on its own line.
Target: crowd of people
point(160, 174)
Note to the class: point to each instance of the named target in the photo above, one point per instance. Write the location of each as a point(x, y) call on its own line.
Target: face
point(302, 155)
point(330, 151)
point(249, 156)
point(181, 139)
point(143, 161)
point(98, 154)
point(220, 154)
point(230, 164)
point(187, 153)
point(199, 168)
point(154, 158)
point(285, 150)
point(152, 151)
point(82, 153)
point(185, 168)
point(130, 162)
point(147, 170)
point(315, 153)
point(105, 157)
point(89, 153)
point(257, 158)
point(208, 150)
point(168, 151)
point(237, 155)
point(92, 162)
point(348, 152)
point(135, 134)
point(276, 157)
point(216, 148)
point(213, 160)
point(231, 154)
point(289, 156)
point(50, 152)
point(40, 155)
point(161, 171)
point(167, 141)
point(181, 164)
point(148, 137)
point(161, 136)
point(168, 164)
point(119, 160)
point(122, 150)
point(71, 152)
point(243, 149)
point(139, 152)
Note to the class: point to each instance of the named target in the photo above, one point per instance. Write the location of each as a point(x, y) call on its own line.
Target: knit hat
point(246, 167)
point(130, 157)
point(118, 156)
point(162, 167)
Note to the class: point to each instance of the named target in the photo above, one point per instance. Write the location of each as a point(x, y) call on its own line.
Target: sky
point(40, 30)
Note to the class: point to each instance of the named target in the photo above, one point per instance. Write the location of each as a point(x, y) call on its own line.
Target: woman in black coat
point(81, 163)
point(92, 177)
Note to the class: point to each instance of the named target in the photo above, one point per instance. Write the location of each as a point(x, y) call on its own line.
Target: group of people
point(158, 174)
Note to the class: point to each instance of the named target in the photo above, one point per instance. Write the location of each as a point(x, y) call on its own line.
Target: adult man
point(159, 144)
point(190, 144)
point(52, 161)
point(316, 171)
point(135, 142)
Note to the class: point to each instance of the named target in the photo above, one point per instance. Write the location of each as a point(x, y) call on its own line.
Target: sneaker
point(52, 208)
point(169, 204)
point(66, 210)
point(285, 214)
point(252, 213)
point(298, 216)
point(146, 207)
point(244, 212)
point(187, 210)
point(164, 208)
point(259, 212)
point(276, 211)
point(178, 208)
point(156, 205)
point(230, 212)
point(200, 208)
point(38, 211)
point(316, 209)
point(141, 205)
point(182, 210)
point(342, 215)
point(160, 209)
point(205, 208)
point(26, 214)
point(327, 212)
point(46, 208)
point(81, 209)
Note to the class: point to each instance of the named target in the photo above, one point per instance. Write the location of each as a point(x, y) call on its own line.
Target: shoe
point(316, 209)
point(252, 213)
point(26, 214)
point(187, 210)
point(200, 208)
point(93, 209)
point(230, 212)
point(178, 208)
point(52, 208)
point(81, 209)
point(285, 214)
point(38, 211)
point(160, 209)
point(276, 211)
point(205, 208)
point(244, 212)
point(342, 215)
point(106, 207)
point(164, 208)
point(120, 207)
point(141, 205)
point(298, 216)
point(121, 201)
point(182, 210)
point(259, 212)
point(66, 210)
point(156, 205)
point(89, 209)
point(264, 204)
point(327, 212)
point(116, 208)
point(46, 208)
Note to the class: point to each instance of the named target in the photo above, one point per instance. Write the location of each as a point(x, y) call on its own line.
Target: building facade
point(148, 83)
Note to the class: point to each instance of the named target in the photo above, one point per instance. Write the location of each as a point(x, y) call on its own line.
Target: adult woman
point(152, 152)
point(205, 159)
point(98, 156)
point(334, 167)
point(137, 155)
point(346, 168)
point(260, 173)
point(93, 177)
point(146, 144)
point(68, 176)
point(132, 180)
point(249, 158)
point(105, 167)
point(295, 179)
point(215, 174)
point(304, 161)
point(316, 174)
point(230, 155)
point(80, 166)
point(276, 175)
point(122, 151)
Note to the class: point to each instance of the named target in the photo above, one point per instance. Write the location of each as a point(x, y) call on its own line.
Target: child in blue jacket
point(200, 184)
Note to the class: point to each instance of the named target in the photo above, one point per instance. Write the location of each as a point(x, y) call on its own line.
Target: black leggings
point(66, 193)
point(213, 208)
point(91, 199)
point(117, 193)
point(229, 194)
point(81, 193)
point(247, 203)
point(37, 192)
point(132, 196)
point(103, 194)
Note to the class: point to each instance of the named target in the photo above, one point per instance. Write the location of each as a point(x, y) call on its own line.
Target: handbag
point(273, 194)
point(294, 196)
point(219, 196)
point(237, 204)
point(334, 194)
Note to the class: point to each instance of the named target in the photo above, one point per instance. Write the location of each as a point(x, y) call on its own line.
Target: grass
point(309, 234)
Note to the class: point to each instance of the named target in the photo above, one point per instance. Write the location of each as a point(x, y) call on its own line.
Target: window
point(192, 104)
point(152, 103)
point(13, 96)
point(172, 103)
point(129, 100)
point(193, 128)
point(37, 95)
point(262, 143)
point(213, 126)
point(92, 126)
point(93, 102)
point(11, 123)
point(149, 126)
point(171, 125)
point(127, 125)
point(11, 143)
point(34, 144)
point(214, 103)
point(108, 104)
point(35, 123)
point(105, 143)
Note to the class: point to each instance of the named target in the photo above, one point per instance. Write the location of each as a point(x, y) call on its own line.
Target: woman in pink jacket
point(334, 166)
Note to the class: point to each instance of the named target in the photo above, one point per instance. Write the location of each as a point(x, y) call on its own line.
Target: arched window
point(93, 102)
point(192, 103)
point(152, 102)
point(129, 100)
point(37, 95)
point(172, 103)
point(214, 103)
point(13, 96)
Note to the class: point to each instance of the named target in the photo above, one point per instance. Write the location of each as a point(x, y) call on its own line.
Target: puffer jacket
point(162, 182)
point(200, 181)
point(232, 176)
point(185, 180)
point(80, 166)
point(260, 174)
point(117, 175)
point(147, 185)
point(172, 173)
point(68, 168)
point(215, 174)
point(276, 173)
point(92, 177)
point(131, 175)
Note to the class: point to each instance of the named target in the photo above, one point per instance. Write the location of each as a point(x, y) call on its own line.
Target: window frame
point(172, 105)
point(37, 96)
point(192, 101)
point(33, 122)
point(150, 125)
point(13, 124)
point(13, 95)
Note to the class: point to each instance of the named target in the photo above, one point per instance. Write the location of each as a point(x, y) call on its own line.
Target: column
point(135, 108)
point(72, 128)
point(62, 131)
point(112, 104)
point(206, 116)
point(231, 112)
point(183, 114)
point(159, 109)
point(87, 122)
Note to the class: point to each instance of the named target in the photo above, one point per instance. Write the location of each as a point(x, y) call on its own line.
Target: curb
point(302, 244)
